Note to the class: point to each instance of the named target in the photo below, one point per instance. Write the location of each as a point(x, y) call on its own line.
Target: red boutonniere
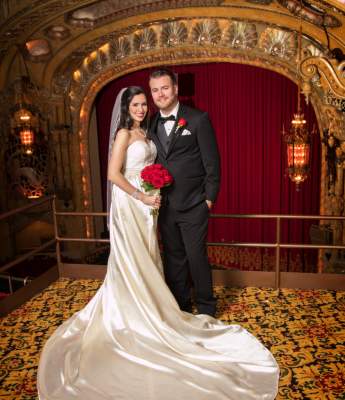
point(181, 123)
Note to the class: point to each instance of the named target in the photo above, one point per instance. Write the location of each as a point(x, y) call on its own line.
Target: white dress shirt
point(168, 125)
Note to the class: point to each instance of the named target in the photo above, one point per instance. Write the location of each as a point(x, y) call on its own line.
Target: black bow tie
point(163, 120)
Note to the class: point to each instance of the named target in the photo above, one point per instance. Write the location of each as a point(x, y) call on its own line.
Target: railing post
point(277, 269)
point(58, 249)
point(10, 284)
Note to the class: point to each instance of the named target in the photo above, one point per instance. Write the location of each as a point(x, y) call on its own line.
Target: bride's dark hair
point(126, 120)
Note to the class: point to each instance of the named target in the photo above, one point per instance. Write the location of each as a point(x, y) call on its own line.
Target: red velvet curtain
point(248, 107)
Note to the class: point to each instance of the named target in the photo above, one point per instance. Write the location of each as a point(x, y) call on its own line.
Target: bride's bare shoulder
point(122, 136)
point(123, 132)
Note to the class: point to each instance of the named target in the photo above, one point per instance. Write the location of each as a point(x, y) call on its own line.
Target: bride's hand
point(152, 201)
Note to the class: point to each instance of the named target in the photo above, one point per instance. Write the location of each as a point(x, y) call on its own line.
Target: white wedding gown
point(132, 342)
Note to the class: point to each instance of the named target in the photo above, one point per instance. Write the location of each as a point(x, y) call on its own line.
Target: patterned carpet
point(305, 330)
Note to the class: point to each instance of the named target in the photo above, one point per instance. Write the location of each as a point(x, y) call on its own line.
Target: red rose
point(158, 182)
point(168, 179)
point(181, 122)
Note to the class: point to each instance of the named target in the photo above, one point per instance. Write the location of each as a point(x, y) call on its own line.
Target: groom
point(187, 147)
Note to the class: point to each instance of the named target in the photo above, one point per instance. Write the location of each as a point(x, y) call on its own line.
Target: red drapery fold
point(248, 107)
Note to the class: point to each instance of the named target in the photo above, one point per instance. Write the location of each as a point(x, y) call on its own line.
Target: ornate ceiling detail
point(336, 102)
point(279, 43)
point(37, 50)
point(90, 14)
point(311, 51)
point(242, 35)
point(104, 11)
point(30, 16)
point(206, 32)
point(144, 40)
point(174, 34)
point(218, 39)
point(311, 13)
point(119, 48)
point(57, 32)
point(324, 4)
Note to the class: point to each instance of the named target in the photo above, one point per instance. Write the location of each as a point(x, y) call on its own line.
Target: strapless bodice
point(139, 154)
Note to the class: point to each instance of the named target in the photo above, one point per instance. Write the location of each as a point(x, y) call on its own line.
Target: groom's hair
point(164, 72)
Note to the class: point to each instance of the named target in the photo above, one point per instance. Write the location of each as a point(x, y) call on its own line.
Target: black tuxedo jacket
point(192, 159)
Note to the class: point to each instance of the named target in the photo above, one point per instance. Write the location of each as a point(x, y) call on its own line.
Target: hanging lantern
point(27, 136)
point(27, 153)
point(298, 150)
point(298, 139)
point(23, 115)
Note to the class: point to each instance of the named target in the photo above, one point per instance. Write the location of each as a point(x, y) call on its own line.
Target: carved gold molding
point(328, 72)
point(215, 38)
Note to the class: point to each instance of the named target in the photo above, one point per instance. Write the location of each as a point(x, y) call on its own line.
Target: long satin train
point(131, 341)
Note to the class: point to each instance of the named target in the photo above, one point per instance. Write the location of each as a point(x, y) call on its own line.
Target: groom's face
point(164, 93)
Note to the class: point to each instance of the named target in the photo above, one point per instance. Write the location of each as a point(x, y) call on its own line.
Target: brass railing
point(276, 278)
point(277, 245)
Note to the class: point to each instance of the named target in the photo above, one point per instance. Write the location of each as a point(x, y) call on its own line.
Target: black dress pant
point(184, 254)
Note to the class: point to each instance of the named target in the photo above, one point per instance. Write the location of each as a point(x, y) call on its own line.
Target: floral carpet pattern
point(305, 330)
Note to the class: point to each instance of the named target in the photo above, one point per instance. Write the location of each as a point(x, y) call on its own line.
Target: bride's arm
point(115, 175)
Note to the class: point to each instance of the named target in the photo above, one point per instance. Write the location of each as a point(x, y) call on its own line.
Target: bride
point(131, 341)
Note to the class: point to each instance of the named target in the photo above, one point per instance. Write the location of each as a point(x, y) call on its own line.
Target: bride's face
point(138, 108)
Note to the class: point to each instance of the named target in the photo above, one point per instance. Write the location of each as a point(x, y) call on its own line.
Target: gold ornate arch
point(181, 42)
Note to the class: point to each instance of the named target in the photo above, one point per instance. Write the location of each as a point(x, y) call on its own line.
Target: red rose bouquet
point(154, 178)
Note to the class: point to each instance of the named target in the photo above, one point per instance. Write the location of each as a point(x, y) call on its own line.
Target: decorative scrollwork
point(330, 71)
point(278, 43)
point(341, 69)
point(242, 35)
point(174, 34)
point(330, 99)
point(145, 40)
point(207, 32)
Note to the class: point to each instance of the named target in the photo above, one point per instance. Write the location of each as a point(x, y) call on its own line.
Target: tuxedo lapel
point(177, 130)
point(154, 136)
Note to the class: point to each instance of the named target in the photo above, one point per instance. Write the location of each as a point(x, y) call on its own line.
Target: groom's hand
point(209, 204)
